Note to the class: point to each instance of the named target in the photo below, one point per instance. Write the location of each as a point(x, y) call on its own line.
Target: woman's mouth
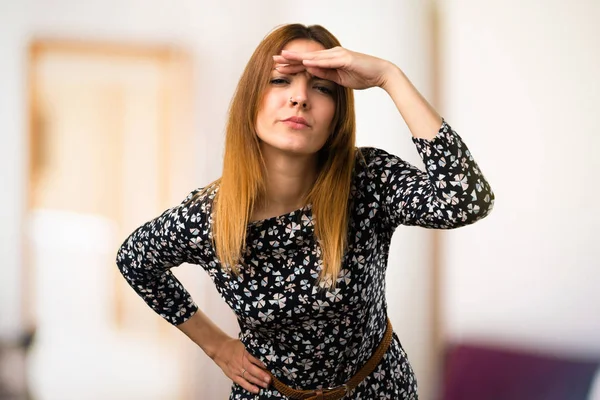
point(296, 123)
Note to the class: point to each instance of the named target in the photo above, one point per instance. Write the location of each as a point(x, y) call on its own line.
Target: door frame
point(177, 168)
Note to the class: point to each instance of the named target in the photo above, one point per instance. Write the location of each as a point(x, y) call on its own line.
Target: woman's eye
point(324, 89)
point(278, 81)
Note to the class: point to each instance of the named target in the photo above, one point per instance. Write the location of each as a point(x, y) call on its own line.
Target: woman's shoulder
point(197, 204)
point(203, 193)
point(373, 158)
point(374, 169)
point(368, 166)
point(202, 196)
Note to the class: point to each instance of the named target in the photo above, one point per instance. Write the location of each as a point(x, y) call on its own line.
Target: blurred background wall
point(524, 75)
point(517, 79)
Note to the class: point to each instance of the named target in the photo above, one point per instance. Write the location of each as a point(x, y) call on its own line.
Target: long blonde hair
point(243, 180)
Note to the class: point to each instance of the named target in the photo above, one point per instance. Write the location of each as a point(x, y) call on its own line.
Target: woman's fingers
point(329, 63)
point(323, 64)
point(256, 361)
point(327, 74)
point(245, 384)
point(289, 69)
point(323, 73)
point(283, 60)
point(252, 374)
point(292, 57)
point(241, 367)
point(256, 376)
point(299, 56)
point(255, 370)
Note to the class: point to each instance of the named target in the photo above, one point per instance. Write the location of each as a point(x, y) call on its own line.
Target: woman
point(295, 234)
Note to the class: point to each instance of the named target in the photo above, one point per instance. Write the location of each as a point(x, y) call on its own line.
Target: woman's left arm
point(452, 192)
point(420, 117)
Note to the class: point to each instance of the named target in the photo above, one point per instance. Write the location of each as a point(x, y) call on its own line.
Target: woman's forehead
point(303, 45)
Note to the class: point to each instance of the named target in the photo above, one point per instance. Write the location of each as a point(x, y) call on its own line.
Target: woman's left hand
point(342, 66)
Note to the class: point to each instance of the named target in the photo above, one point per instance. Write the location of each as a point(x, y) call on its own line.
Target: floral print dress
point(310, 336)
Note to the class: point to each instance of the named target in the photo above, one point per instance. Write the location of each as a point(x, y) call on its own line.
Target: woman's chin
point(292, 148)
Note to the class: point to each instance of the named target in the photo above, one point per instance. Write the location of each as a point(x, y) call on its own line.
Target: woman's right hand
point(241, 367)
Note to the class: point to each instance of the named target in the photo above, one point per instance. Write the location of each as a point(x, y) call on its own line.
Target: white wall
point(221, 36)
point(12, 162)
point(521, 80)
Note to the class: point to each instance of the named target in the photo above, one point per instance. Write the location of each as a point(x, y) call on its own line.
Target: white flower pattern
point(307, 335)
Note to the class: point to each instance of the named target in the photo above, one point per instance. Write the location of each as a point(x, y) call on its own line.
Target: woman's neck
point(288, 181)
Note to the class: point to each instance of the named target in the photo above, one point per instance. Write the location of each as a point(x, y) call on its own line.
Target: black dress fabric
point(310, 336)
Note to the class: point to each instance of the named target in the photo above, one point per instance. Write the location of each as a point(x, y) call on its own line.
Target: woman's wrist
point(205, 333)
point(391, 76)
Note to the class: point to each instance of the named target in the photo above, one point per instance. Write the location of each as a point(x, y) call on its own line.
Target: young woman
point(296, 232)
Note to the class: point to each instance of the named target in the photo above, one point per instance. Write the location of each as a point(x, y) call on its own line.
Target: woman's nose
point(299, 93)
point(299, 101)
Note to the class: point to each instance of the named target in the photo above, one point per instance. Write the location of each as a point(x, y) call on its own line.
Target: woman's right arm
point(179, 235)
point(146, 257)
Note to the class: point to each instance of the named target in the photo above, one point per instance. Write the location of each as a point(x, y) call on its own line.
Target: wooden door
point(110, 148)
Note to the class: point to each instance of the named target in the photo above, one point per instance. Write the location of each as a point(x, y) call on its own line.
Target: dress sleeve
point(451, 193)
point(146, 256)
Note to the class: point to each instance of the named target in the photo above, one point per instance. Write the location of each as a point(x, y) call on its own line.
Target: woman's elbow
point(479, 208)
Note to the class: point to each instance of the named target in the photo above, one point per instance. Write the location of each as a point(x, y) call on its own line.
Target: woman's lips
point(296, 123)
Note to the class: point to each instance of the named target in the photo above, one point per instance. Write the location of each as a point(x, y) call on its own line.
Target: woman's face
point(302, 96)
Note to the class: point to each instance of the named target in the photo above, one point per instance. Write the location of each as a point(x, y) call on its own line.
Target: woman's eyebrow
point(311, 77)
point(305, 72)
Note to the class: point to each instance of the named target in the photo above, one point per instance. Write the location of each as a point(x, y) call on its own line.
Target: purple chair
point(474, 372)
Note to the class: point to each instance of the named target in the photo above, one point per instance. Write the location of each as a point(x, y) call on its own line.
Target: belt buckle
point(344, 386)
point(335, 388)
point(319, 394)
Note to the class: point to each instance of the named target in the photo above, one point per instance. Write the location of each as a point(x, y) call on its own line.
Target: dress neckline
point(288, 215)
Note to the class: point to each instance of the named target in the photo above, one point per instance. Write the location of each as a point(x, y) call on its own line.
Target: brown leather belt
point(338, 392)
